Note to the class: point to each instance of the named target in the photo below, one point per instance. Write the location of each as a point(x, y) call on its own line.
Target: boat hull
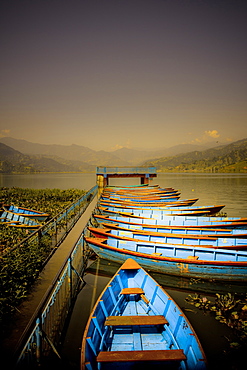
point(26, 212)
point(219, 233)
point(190, 267)
point(188, 221)
point(176, 239)
point(135, 323)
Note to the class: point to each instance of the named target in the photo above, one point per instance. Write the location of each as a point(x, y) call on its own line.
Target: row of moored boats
point(135, 323)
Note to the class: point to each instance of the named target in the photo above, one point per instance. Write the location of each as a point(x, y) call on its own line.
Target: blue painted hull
point(143, 199)
point(219, 233)
point(193, 262)
point(25, 212)
point(15, 220)
point(135, 323)
point(203, 241)
point(188, 221)
point(136, 205)
point(196, 210)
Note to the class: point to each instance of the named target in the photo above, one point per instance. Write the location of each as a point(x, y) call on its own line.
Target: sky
point(108, 74)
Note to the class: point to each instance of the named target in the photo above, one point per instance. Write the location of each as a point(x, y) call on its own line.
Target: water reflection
point(214, 336)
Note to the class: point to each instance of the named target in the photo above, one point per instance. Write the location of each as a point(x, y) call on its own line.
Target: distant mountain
point(225, 158)
point(70, 152)
point(137, 157)
point(26, 156)
point(12, 161)
point(121, 157)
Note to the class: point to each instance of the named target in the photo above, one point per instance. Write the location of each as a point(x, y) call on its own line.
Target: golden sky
point(113, 73)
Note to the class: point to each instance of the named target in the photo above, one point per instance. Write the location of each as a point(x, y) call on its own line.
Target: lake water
point(222, 189)
point(227, 189)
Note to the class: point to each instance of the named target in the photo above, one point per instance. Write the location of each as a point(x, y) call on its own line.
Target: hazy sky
point(113, 73)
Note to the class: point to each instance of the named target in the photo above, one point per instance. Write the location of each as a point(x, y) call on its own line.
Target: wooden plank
point(152, 355)
point(132, 291)
point(135, 320)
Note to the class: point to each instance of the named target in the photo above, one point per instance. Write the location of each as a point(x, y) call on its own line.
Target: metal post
point(38, 340)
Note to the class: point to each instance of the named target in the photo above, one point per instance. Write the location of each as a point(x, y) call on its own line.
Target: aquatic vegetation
point(228, 310)
point(10, 236)
point(50, 201)
point(22, 258)
point(19, 270)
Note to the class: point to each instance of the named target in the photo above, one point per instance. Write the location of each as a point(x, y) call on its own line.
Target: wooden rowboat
point(135, 323)
point(166, 203)
point(18, 221)
point(127, 205)
point(133, 198)
point(188, 221)
point(181, 230)
point(179, 211)
point(190, 261)
point(142, 200)
point(175, 239)
point(26, 212)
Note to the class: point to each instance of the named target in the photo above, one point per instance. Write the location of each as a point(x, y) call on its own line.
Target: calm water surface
point(222, 189)
point(227, 189)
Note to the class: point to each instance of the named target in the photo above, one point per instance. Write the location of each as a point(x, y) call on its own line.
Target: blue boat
point(135, 324)
point(135, 205)
point(188, 221)
point(179, 211)
point(180, 230)
point(145, 196)
point(18, 221)
point(142, 197)
point(141, 202)
point(175, 239)
point(188, 261)
point(26, 212)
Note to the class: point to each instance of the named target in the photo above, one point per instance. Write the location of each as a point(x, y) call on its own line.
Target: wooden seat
point(132, 291)
point(152, 355)
point(135, 320)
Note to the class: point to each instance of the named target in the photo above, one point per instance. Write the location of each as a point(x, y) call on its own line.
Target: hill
point(25, 157)
point(121, 157)
point(13, 161)
point(69, 152)
point(137, 156)
point(227, 158)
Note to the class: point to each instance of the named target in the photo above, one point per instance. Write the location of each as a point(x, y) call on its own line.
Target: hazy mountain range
point(18, 156)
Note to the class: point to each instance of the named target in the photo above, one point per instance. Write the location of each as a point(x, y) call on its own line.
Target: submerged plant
point(227, 309)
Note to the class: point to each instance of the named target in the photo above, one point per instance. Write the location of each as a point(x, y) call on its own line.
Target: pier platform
point(105, 173)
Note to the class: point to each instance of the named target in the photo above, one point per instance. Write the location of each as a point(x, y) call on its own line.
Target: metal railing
point(43, 332)
point(55, 230)
point(125, 170)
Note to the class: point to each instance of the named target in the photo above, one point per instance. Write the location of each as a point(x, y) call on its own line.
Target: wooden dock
point(105, 173)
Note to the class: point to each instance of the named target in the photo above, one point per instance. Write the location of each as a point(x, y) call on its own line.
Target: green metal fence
point(43, 333)
point(44, 330)
point(56, 229)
